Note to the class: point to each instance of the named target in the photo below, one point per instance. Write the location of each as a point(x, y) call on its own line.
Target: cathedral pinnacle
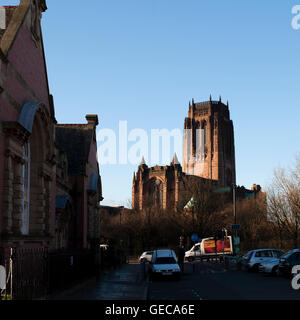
point(175, 159)
point(143, 162)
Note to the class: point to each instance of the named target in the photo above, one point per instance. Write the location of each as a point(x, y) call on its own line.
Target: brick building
point(78, 143)
point(50, 186)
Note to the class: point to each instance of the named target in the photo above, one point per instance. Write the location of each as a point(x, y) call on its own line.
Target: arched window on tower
point(156, 192)
point(204, 127)
point(152, 191)
point(203, 147)
point(25, 189)
point(159, 193)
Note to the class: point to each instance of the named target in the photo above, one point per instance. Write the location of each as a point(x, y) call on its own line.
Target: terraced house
point(50, 185)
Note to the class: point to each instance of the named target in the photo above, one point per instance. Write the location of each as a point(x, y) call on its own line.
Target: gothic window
point(152, 191)
point(26, 189)
point(204, 139)
point(159, 193)
point(156, 193)
point(204, 127)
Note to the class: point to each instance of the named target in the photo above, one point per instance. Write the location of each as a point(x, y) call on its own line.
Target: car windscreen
point(165, 260)
point(247, 255)
point(286, 255)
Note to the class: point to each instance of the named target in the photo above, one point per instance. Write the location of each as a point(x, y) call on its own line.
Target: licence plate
point(167, 273)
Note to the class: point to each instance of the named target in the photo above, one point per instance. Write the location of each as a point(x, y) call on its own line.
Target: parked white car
point(252, 259)
point(164, 263)
point(146, 256)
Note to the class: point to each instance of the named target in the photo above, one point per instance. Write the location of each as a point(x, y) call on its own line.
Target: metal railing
point(37, 272)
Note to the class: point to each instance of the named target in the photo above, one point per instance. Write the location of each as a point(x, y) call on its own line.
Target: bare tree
point(284, 202)
point(206, 206)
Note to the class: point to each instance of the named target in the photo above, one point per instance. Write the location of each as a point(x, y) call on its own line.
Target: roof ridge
point(72, 125)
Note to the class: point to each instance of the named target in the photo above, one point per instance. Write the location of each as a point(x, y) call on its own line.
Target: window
point(25, 189)
point(204, 125)
point(156, 192)
point(248, 254)
point(264, 254)
point(278, 253)
point(258, 254)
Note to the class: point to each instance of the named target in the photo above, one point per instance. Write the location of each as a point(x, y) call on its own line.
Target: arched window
point(26, 189)
point(204, 127)
point(156, 192)
point(159, 193)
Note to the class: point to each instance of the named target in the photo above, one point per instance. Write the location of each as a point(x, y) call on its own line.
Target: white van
point(164, 263)
point(209, 247)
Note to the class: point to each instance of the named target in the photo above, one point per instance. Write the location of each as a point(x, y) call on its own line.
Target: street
point(211, 282)
point(207, 281)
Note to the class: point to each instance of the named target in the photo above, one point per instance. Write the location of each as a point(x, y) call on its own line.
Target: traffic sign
point(236, 227)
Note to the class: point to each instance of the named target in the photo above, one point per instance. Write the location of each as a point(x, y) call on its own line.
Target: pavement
point(124, 283)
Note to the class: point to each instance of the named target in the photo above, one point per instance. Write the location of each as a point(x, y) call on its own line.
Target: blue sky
point(143, 60)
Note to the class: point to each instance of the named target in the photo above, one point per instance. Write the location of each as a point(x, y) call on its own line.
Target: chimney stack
point(92, 120)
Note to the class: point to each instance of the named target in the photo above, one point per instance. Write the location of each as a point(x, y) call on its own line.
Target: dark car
point(288, 261)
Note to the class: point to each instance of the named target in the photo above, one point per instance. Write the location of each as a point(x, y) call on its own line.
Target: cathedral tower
point(208, 147)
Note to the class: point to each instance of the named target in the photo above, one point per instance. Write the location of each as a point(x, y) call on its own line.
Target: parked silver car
point(270, 267)
point(146, 256)
point(253, 258)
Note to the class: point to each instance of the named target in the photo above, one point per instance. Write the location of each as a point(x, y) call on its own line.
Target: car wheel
point(190, 259)
point(255, 268)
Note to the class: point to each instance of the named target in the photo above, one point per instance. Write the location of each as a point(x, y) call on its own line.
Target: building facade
point(78, 143)
point(27, 132)
point(43, 203)
point(159, 186)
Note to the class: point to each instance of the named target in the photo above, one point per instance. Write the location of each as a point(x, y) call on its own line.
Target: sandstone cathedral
point(210, 157)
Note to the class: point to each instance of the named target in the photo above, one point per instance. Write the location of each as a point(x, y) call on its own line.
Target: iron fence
point(29, 273)
point(38, 272)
